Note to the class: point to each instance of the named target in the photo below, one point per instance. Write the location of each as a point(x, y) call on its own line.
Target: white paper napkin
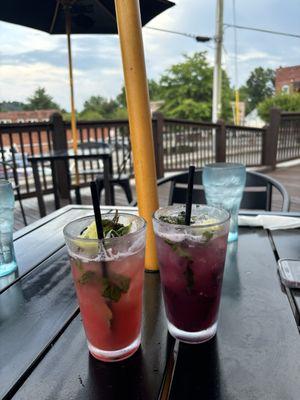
point(271, 222)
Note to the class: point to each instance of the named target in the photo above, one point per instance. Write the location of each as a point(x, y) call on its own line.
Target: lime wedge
point(90, 232)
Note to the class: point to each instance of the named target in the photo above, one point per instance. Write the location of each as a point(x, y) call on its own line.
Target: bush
point(286, 102)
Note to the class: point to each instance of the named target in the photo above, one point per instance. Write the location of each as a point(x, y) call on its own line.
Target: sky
point(30, 59)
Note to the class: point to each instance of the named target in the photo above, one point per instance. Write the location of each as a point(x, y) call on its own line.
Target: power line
point(235, 44)
point(198, 38)
point(236, 91)
point(262, 30)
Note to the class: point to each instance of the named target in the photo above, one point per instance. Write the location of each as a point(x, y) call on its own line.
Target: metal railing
point(186, 143)
point(288, 143)
point(17, 142)
point(244, 145)
point(177, 144)
point(115, 133)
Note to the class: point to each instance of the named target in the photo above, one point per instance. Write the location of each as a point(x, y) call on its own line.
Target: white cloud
point(31, 58)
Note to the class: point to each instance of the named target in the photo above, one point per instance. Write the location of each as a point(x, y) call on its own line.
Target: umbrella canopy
point(76, 17)
point(99, 16)
point(88, 16)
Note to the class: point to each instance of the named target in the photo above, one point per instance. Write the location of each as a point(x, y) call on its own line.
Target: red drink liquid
point(192, 306)
point(108, 275)
point(191, 269)
point(110, 325)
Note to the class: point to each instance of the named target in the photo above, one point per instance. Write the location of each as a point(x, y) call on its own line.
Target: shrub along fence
point(177, 144)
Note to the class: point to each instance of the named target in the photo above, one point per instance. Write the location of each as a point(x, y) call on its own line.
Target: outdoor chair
point(93, 146)
point(120, 157)
point(9, 170)
point(257, 195)
point(121, 176)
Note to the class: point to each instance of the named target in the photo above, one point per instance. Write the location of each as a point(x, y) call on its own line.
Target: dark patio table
point(43, 354)
point(53, 157)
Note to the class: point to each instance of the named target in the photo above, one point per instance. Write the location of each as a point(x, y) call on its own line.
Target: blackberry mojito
point(191, 260)
point(108, 276)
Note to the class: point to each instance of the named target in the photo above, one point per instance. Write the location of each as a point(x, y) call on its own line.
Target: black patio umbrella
point(76, 17)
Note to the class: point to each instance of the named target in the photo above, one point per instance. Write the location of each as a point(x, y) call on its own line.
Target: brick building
point(287, 79)
point(25, 116)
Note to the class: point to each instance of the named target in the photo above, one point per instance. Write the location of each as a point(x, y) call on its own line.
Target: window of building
point(285, 89)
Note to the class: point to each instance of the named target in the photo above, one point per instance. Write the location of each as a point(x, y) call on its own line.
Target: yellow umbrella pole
point(73, 114)
point(237, 107)
point(130, 33)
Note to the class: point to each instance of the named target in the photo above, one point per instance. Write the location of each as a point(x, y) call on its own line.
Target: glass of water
point(224, 184)
point(7, 256)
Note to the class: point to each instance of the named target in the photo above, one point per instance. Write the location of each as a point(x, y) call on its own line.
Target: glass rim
point(225, 165)
point(4, 181)
point(191, 227)
point(113, 239)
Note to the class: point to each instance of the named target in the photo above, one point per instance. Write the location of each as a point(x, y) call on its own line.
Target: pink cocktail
point(191, 260)
point(108, 277)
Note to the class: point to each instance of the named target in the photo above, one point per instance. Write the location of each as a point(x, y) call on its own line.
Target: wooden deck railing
point(177, 144)
point(288, 145)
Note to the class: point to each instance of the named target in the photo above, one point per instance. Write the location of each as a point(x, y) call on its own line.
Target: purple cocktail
point(191, 260)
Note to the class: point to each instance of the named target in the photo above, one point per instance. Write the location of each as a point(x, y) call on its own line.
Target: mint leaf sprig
point(112, 228)
point(178, 249)
point(175, 219)
point(112, 287)
point(184, 253)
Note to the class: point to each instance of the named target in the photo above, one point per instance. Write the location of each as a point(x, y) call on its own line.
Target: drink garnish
point(207, 235)
point(115, 286)
point(178, 249)
point(87, 277)
point(111, 228)
point(189, 276)
point(175, 219)
point(78, 264)
point(112, 287)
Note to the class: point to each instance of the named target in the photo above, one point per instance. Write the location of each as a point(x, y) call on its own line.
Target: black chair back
point(257, 194)
point(178, 188)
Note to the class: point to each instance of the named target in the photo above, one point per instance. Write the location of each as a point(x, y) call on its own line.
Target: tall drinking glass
point(108, 276)
point(191, 260)
point(224, 184)
point(7, 255)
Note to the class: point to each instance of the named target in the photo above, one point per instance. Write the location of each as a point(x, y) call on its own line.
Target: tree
point(286, 102)
point(186, 89)
point(259, 86)
point(98, 107)
point(41, 101)
point(154, 93)
point(11, 106)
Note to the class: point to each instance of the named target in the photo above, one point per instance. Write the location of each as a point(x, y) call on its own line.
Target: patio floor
point(288, 176)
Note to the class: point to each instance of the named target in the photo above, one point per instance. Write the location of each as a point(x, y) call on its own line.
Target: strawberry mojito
point(191, 260)
point(108, 276)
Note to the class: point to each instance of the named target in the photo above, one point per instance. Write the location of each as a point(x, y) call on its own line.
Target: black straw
point(97, 211)
point(189, 195)
point(98, 219)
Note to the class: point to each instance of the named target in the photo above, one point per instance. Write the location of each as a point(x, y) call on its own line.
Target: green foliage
point(286, 102)
point(227, 97)
point(41, 101)
point(186, 89)
point(98, 107)
point(89, 115)
point(67, 116)
point(154, 90)
point(121, 113)
point(259, 86)
point(154, 94)
point(11, 106)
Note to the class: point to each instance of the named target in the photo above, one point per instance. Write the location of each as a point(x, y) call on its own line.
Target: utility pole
point(217, 79)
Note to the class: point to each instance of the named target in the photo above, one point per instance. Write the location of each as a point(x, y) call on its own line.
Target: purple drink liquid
point(191, 274)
